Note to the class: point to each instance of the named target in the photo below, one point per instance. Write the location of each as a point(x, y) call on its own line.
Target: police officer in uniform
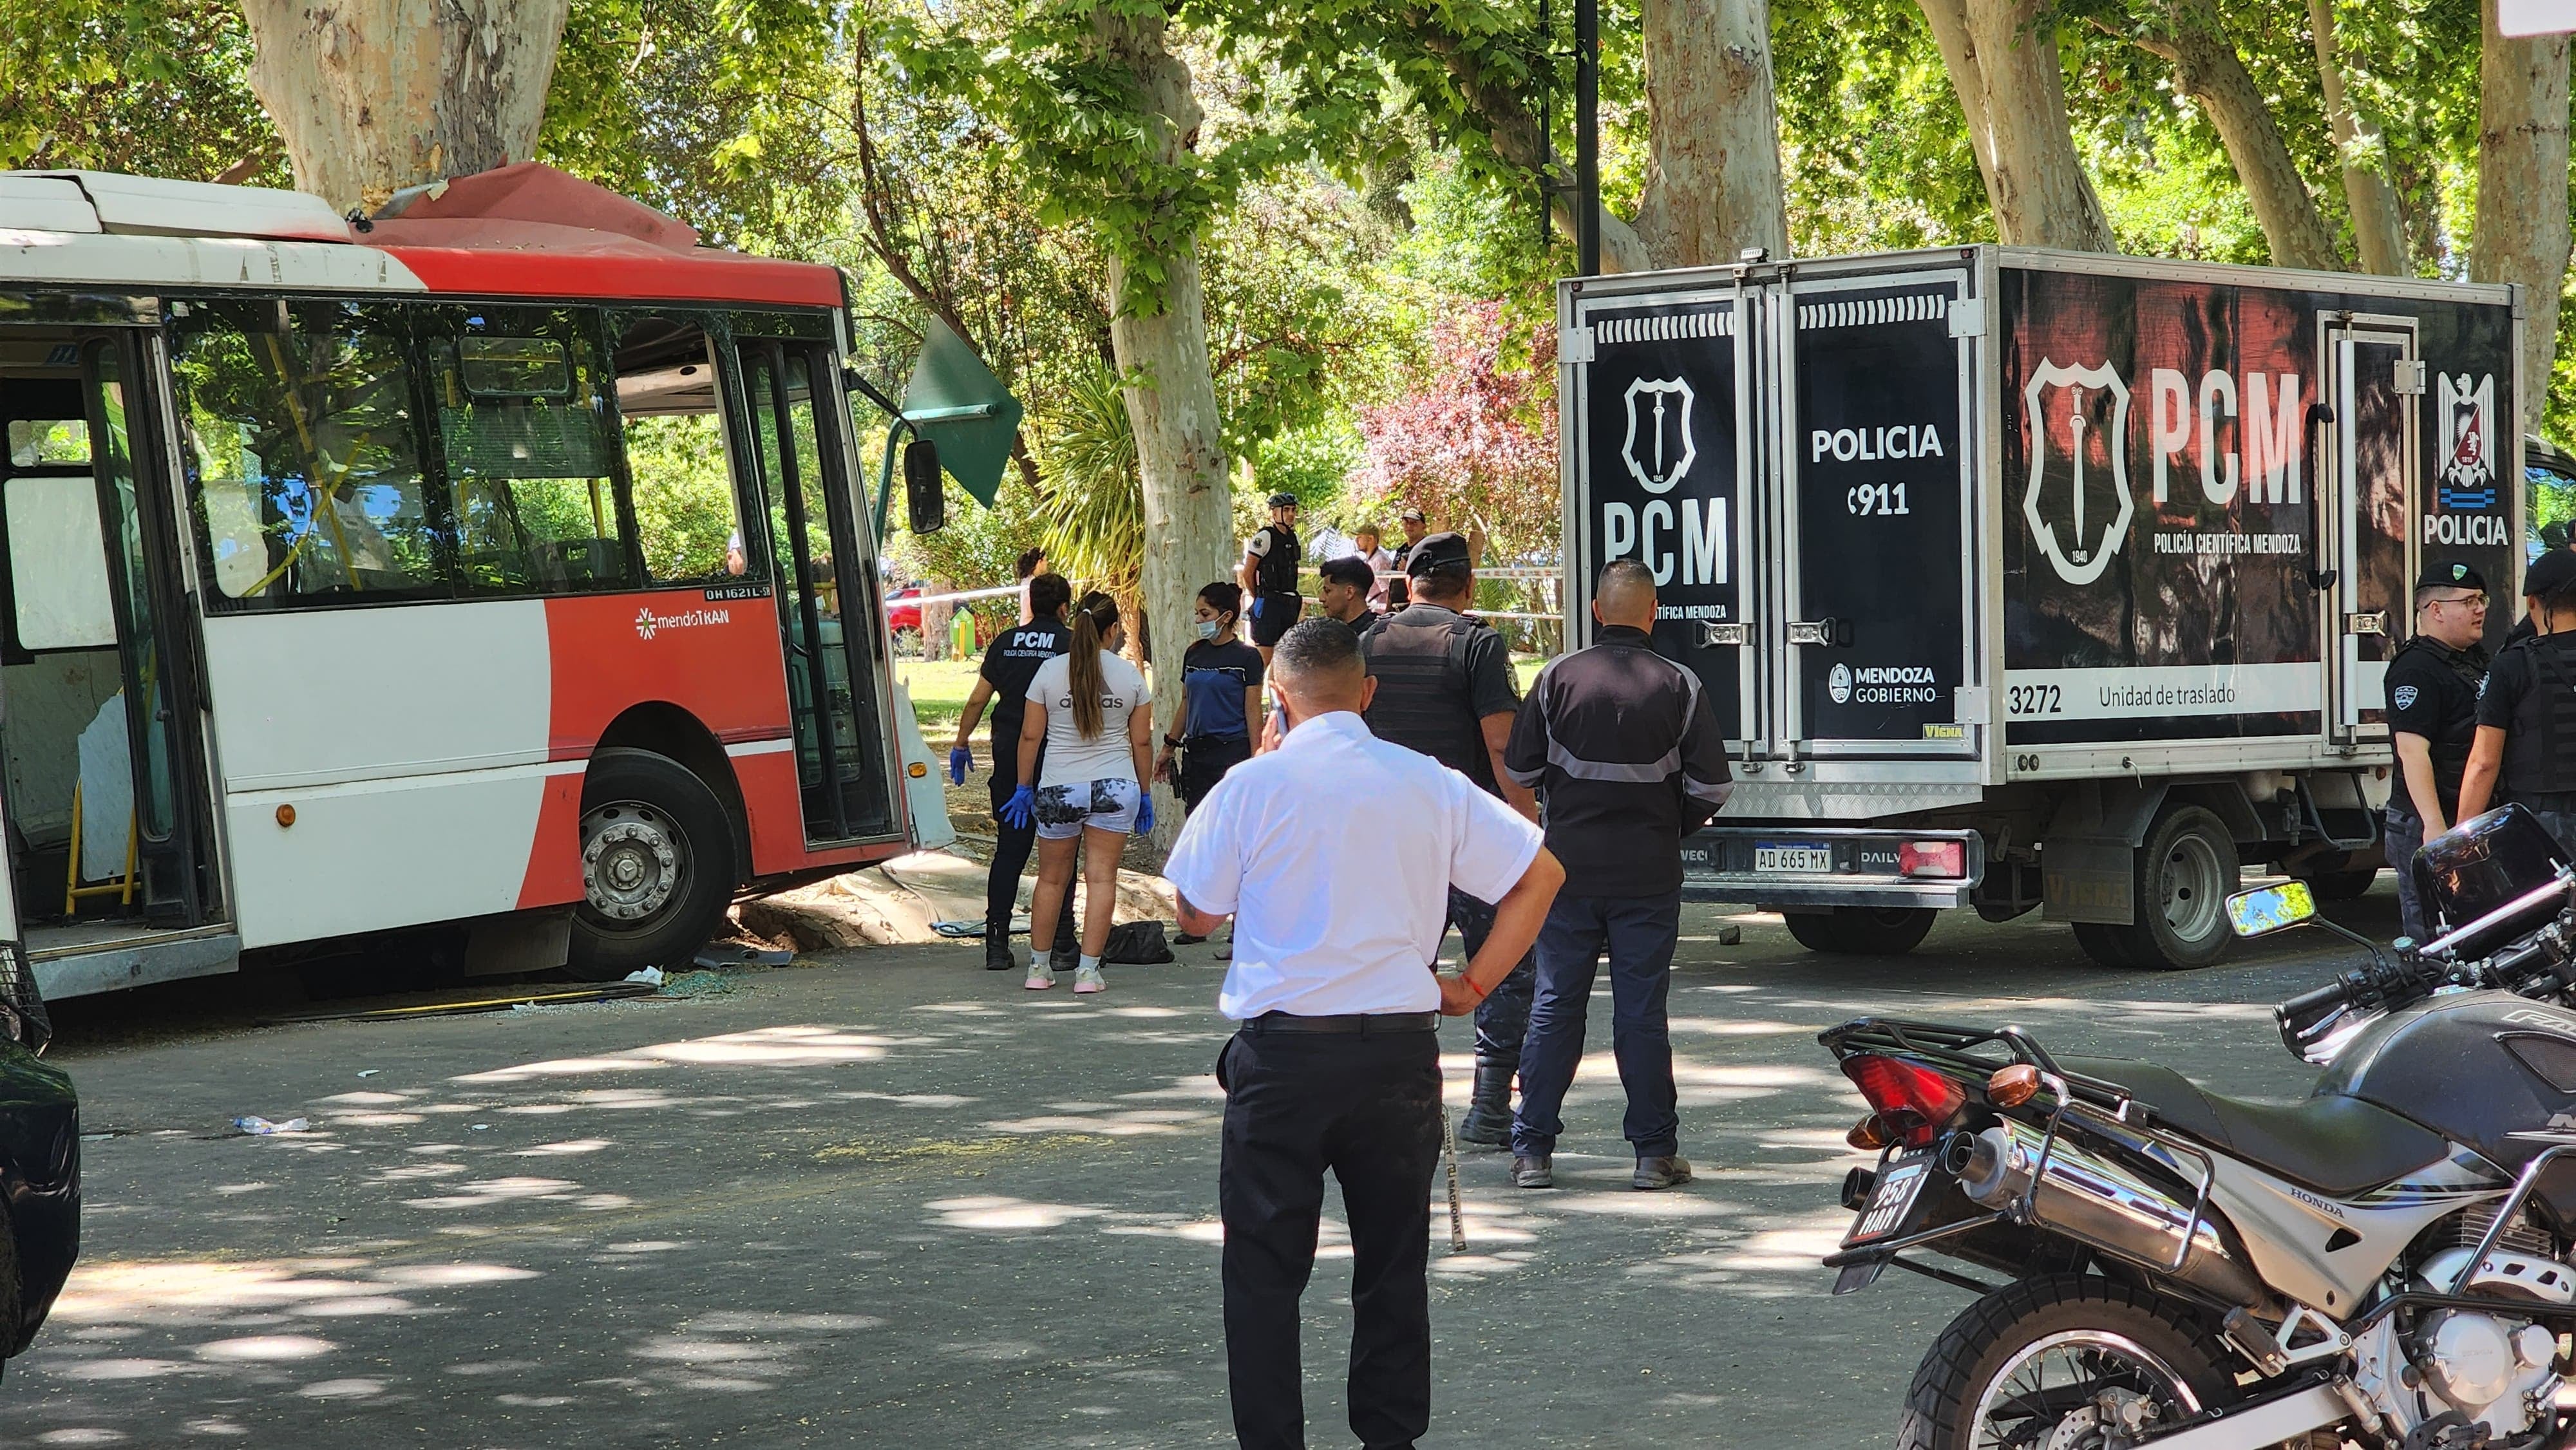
point(2433, 713)
point(1268, 575)
point(1336, 1066)
point(2526, 741)
point(1445, 688)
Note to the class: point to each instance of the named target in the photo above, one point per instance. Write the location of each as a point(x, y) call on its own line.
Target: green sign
point(956, 402)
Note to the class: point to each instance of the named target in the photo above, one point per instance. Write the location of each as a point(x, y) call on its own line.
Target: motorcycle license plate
point(1892, 1198)
point(1795, 858)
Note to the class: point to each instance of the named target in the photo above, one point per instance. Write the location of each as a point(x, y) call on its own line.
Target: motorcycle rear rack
point(1947, 1046)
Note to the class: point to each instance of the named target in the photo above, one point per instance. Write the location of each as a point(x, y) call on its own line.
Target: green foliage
point(155, 87)
point(1095, 502)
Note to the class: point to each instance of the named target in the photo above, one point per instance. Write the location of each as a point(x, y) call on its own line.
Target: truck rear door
point(2374, 382)
point(1873, 619)
point(1659, 388)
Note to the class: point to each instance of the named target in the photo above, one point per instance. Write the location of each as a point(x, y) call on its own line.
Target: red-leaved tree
point(1473, 443)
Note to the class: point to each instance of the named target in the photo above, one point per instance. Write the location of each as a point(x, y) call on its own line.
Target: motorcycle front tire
point(1984, 1342)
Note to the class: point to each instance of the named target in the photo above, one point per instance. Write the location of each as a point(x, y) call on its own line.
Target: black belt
point(1189, 740)
point(1360, 1022)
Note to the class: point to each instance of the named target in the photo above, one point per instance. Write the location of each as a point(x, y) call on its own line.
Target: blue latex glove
point(1145, 813)
point(960, 761)
point(1255, 607)
point(1021, 808)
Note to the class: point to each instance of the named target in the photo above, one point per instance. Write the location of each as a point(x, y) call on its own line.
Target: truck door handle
point(1829, 633)
point(1717, 636)
point(2375, 622)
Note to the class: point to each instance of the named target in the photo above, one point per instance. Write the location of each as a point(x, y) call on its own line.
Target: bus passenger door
point(826, 615)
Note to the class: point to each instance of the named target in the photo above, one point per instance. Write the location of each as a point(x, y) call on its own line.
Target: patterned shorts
point(1102, 805)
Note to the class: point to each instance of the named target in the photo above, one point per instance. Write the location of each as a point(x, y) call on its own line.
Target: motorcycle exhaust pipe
point(2093, 1199)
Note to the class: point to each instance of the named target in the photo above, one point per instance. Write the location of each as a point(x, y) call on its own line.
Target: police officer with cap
point(1336, 1065)
point(1268, 575)
point(1445, 688)
point(2433, 713)
point(2526, 742)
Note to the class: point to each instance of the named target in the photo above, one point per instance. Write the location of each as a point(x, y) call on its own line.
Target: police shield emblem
point(2466, 417)
point(1660, 409)
point(2079, 447)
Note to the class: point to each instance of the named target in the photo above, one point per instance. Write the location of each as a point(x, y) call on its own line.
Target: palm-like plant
point(1095, 504)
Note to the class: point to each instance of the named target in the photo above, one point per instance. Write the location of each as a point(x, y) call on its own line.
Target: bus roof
point(525, 230)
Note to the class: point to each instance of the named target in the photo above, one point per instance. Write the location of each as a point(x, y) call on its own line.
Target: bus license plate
point(1892, 1198)
point(1801, 859)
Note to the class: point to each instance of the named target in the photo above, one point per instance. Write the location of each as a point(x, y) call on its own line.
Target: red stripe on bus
point(678, 277)
point(554, 860)
point(717, 661)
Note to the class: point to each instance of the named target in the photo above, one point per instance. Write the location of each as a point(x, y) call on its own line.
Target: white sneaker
point(1041, 976)
point(1088, 979)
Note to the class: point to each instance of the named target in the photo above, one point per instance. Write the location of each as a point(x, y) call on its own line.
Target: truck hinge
point(2410, 377)
point(1968, 317)
point(1574, 344)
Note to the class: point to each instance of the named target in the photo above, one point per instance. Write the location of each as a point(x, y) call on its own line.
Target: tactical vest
point(2451, 758)
point(1278, 568)
point(2553, 678)
point(1423, 701)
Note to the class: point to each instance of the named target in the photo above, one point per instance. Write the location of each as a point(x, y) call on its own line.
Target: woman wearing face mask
point(1220, 697)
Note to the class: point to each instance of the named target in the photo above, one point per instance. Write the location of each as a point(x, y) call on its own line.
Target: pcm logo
point(1658, 452)
point(2066, 421)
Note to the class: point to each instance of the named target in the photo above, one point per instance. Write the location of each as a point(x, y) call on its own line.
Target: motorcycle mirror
point(2267, 909)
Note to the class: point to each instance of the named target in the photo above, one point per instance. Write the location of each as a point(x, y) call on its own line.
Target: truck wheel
point(1862, 931)
point(2104, 944)
point(2342, 885)
point(657, 865)
point(2185, 872)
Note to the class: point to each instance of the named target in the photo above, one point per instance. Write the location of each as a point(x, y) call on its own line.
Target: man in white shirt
point(1336, 1065)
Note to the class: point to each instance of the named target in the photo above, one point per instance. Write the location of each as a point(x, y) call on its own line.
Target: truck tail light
point(1932, 858)
point(1914, 1102)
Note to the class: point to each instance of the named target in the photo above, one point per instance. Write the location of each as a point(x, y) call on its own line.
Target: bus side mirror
point(925, 498)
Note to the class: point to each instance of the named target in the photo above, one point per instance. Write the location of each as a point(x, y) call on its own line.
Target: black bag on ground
point(1136, 944)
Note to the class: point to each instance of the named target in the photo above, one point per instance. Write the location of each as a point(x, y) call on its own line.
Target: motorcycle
point(2390, 1261)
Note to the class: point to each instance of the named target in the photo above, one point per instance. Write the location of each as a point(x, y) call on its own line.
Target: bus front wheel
point(657, 865)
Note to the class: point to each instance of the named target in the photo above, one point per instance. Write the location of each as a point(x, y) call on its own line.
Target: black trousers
point(1366, 1107)
point(1011, 848)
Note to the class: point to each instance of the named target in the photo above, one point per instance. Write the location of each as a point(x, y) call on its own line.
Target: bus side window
point(676, 459)
point(523, 426)
point(302, 454)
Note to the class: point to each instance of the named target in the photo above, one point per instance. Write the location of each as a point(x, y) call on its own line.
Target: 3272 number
point(2021, 701)
point(1876, 500)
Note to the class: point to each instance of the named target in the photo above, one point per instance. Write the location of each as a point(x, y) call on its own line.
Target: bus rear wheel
point(657, 865)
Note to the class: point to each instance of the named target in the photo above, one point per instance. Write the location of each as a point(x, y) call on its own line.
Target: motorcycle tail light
point(1932, 858)
point(1912, 1100)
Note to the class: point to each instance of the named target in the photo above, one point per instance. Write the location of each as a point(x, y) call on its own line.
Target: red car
point(901, 612)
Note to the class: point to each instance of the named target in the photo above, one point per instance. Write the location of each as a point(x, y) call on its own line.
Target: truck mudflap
point(1797, 863)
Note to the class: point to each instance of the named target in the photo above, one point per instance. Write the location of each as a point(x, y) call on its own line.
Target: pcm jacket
point(1621, 745)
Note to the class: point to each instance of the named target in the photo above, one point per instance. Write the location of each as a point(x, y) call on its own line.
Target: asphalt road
point(891, 1199)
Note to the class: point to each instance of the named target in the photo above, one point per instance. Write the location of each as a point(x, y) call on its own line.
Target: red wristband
point(1471, 986)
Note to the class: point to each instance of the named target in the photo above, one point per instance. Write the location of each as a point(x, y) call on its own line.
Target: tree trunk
point(2041, 195)
point(1180, 451)
point(1949, 22)
point(372, 96)
point(2208, 69)
point(1513, 131)
point(2522, 231)
point(1713, 153)
point(2378, 225)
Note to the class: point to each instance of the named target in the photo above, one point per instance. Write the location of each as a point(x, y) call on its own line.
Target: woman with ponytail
point(1091, 711)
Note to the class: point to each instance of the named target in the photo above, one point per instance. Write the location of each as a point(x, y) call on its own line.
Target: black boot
point(998, 956)
point(1488, 1123)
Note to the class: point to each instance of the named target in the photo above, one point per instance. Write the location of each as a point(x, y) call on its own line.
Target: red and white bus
point(503, 562)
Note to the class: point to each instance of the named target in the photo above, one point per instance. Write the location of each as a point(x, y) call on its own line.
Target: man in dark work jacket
point(1445, 688)
point(1623, 747)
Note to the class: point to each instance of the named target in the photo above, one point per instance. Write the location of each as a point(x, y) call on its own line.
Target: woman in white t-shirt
point(1092, 712)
